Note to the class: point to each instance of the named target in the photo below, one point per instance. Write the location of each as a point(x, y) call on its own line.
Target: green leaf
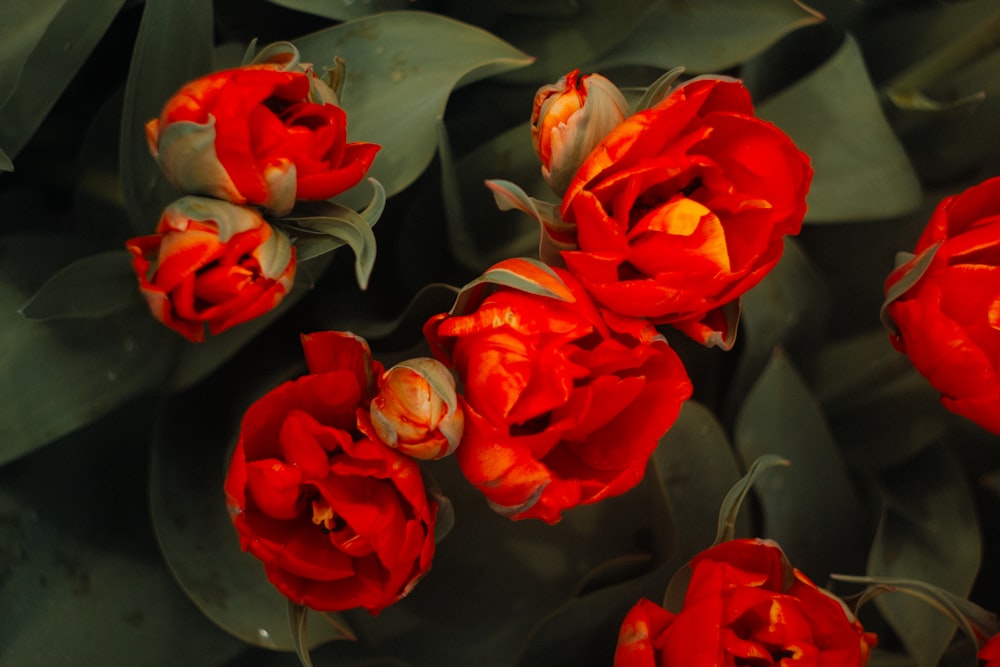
point(81, 580)
point(343, 10)
point(5, 163)
point(480, 240)
point(63, 374)
point(320, 227)
point(297, 628)
point(810, 508)
point(834, 116)
point(928, 532)
point(733, 502)
point(92, 287)
point(401, 68)
point(708, 35)
point(788, 308)
point(696, 468)
point(42, 52)
point(563, 41)
point(521, 273)
point(157, 71)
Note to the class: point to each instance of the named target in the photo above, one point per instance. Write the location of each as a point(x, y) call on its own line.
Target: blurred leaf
point(834, 116)
point(92, 287)
point(563, 42)
point(42, 46)
point(707, 35)
point(22, 24)
point(298, 629)
point(789, 307)
point(5, 163)
point(61, 375)
point(81, 580)
point(343, 10)
point(810, 508)
point(401, 68)
point(159, 68)
point(928, 532)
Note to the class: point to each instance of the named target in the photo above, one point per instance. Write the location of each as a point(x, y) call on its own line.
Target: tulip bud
point(569, 118)
point(416, 410)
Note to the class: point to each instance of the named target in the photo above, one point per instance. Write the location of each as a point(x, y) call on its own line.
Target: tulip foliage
point(437, 333)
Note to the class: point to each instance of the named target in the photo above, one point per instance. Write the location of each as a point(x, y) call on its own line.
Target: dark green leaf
point(92, 287)
point(564, 42)
point(81, 580)
point(810, 508)
point(401, 68)
point(63, 374)
point(928, 532)
point(343, 10)
point(708, 35)
point(834, 116)
point(43, 47)
point(159, 68)
point(787, 308)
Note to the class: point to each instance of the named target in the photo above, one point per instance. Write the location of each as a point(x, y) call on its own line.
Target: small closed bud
point(569, 118)
point(416, 410)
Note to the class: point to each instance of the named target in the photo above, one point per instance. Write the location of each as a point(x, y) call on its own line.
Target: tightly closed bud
point(569, 118)
point(416, 410)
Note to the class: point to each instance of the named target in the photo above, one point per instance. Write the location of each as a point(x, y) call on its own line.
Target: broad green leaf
point(343, 10)
point(43, 47)
point(92, 287)
point(63, 374)
point(401, 68)
point(81, 581)
point(811, 508)
point(566, 40)
point(789, 308)
point(928, 532)
point(159, 68)
point(834, 116)
point(696, 468)
point(708, 35)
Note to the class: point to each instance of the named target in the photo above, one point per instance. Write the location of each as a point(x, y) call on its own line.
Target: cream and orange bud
point(569, 118)
point(416, 410)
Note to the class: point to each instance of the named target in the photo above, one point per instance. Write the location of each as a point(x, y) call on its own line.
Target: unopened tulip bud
point(569, 119)
point(416, 410)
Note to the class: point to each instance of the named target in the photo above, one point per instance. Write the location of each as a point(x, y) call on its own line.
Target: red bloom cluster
point(339, 519)
point(264, 135)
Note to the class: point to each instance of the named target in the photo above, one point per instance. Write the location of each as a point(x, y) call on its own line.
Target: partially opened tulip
point(211, 263)
point(416, 410)
point(260, 135)
point(569, 118)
